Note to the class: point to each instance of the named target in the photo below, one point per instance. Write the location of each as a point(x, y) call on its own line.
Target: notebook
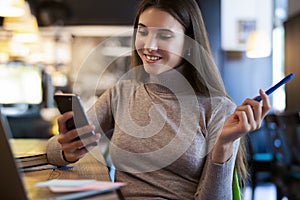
point(31, 155)
point(12, 186)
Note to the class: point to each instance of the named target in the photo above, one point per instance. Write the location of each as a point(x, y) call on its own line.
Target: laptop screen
point(12, 186)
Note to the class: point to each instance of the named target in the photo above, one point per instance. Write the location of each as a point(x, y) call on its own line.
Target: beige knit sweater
point(162, 140)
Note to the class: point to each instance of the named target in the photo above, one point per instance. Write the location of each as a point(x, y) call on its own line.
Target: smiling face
point(159, 40)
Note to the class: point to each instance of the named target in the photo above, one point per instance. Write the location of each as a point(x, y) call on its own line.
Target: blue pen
point(280, 83)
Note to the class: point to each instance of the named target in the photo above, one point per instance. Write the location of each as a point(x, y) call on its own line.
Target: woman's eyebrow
point(159, 29)
point(142, 25)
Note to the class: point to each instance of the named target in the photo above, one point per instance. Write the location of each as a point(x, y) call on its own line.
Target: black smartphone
point(71, 102)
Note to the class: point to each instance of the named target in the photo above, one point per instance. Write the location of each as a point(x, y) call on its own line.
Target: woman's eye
point(165, 36)
point(142, 32)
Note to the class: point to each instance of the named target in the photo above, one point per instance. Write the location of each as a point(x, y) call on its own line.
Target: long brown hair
point(203, 75)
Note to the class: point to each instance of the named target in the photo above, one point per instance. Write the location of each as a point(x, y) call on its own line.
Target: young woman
point(176, 133)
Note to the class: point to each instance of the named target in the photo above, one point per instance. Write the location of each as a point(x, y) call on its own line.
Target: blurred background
point(44, 46)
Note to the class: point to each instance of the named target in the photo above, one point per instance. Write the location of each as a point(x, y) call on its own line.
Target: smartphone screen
point(71, 102)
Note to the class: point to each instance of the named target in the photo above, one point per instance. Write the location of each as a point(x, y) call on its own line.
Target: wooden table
point(89, 167)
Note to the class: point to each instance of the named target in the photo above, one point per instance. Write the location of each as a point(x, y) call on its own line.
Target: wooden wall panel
point(292, 62)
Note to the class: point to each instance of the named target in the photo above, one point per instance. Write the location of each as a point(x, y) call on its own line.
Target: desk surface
point(86, 168)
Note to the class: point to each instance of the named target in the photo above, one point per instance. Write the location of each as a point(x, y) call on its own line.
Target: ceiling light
point(258, 45)
point(11, 8)
point(24, 28)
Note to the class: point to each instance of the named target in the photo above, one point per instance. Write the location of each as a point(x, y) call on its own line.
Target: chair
point(281, 154)
point(261, 154)
point(288, 155)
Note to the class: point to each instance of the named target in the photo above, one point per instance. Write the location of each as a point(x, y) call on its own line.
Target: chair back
point(289, 124)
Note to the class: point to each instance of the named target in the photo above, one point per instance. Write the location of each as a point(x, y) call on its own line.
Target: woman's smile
point(152, 58)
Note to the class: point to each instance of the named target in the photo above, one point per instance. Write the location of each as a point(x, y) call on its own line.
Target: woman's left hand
point(246, 118)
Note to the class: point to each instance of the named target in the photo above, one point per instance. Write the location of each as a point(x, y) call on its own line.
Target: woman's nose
point(151, 43)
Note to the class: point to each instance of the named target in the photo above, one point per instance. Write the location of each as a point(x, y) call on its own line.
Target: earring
point(188, 52)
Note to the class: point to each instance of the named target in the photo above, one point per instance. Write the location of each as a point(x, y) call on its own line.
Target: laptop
point(12, 186)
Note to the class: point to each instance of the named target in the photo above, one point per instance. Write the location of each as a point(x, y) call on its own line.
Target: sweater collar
point(170, 81)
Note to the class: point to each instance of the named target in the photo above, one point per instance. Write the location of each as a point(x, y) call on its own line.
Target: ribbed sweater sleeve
point(54, 152)
point(216, 181)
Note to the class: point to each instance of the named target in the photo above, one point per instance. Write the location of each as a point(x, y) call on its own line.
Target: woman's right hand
point(74, 149)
